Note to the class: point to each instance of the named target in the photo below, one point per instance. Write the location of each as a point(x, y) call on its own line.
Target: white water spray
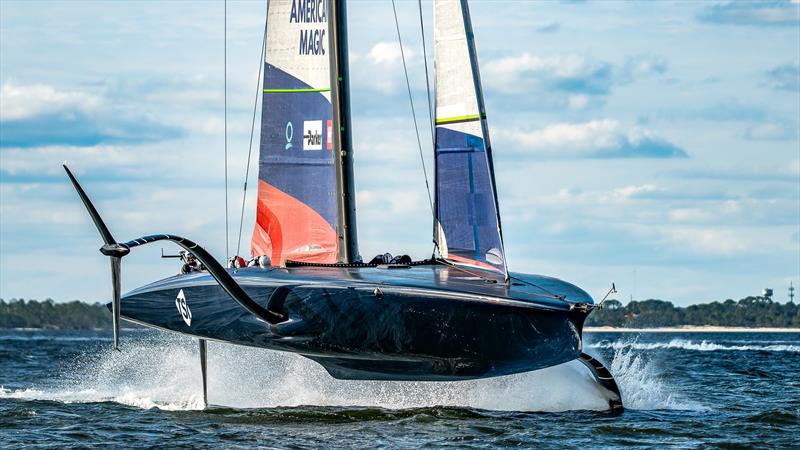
point(165, 373)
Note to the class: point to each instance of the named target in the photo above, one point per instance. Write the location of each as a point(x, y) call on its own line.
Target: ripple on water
point(78, 393)
point(776, 417)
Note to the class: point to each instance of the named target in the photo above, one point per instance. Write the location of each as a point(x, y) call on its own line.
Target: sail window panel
point(464, 200)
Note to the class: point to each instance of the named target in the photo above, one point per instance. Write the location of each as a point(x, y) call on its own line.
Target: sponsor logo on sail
point(183, 308)
point(312, 41)
point(308, 11)
point(289, 134)
point(312, 135)
point(329, 135)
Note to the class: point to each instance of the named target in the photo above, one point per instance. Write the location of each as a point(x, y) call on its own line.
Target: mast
point(342, 132)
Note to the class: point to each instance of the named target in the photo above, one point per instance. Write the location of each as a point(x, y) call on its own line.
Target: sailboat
point(458, 316)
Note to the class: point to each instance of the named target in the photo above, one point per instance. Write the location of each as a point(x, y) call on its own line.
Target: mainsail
point(467, 228)
point(296, 214)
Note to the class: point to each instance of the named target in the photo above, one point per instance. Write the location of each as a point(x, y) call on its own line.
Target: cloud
point(390, 201)
point(771, 131)
point(573, 82)
point(785, 77)
point(646, 191)
point(636, 191)
point(614, 196)
point(578, 102)
point(689, 215)
point(753, 172)
point(194, 91)
point(44, 160)
point(598, 200)
point(389, 53)
point(641, 66)
point(729, 109)
point(710, 240)
point(725, 211)
point(594, 139)
point(724, 110)
point(551, 27)
point(40, 115)
point(757, 13)
point(26, 102)
point(565, 73)
point(381, 68)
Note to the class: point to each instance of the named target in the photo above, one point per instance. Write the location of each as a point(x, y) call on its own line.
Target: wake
point(703, 346)
point(164, 373)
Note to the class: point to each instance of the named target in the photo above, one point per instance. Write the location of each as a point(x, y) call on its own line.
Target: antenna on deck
point(613, 290)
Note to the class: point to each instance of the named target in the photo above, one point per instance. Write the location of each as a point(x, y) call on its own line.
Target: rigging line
point(553, 295)
point(427, 80)
point(490, 279)
point(252, 129)
point(225, 63)
point(413, 111)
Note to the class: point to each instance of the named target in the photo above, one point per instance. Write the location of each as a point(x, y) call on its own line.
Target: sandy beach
point(692, 329)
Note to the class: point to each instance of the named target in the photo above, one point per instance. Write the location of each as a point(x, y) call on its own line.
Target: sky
point(653, 144)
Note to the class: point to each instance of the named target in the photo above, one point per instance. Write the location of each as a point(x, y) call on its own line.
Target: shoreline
point(692, 329)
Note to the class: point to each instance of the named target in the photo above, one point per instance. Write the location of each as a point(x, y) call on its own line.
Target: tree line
point(747, 312)
point(74, 315)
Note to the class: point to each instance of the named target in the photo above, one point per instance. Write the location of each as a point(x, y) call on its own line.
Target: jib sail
point(296, 214)
point(467, 228)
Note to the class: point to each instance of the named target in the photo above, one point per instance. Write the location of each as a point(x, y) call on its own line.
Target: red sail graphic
point(287, 228)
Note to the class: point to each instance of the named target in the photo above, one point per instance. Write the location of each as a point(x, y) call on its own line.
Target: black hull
point(414, 324)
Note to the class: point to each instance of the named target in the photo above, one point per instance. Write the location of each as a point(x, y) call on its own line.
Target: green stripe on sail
point(460, 119)
point(285, 91)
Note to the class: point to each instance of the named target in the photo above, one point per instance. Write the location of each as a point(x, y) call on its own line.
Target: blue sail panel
point(465, 211)
point(296, 211)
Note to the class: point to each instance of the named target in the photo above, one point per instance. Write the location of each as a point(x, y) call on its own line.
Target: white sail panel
point(297, 41)
point(456, 98)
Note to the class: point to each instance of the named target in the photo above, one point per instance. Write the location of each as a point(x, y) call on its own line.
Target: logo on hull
point(183, 308)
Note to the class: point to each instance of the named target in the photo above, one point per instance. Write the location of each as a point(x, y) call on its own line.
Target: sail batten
point(467, 228)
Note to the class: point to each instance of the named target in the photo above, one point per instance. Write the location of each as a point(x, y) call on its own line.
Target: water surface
point(687, 390)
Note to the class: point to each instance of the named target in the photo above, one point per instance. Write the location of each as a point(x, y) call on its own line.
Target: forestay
point(296, 215)
point(467, 224)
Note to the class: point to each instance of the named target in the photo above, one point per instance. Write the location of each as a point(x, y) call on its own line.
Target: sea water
point(689, 390)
